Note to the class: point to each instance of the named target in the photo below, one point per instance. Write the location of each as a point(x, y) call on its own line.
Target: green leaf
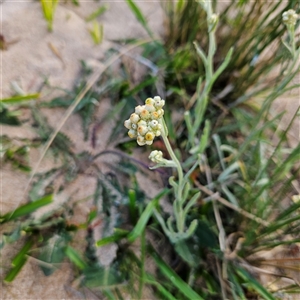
point(26, 209)
point(18, 99)
point(75, 258)
point(144, 218)
point(103, 278)
point(185, 249)
point(199, 149)
point(53, 253)
point(7, 117)
point(92, 215)
point(181, 285)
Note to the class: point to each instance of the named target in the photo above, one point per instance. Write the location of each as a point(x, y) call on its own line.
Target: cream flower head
point(289, 17)
point(144, 124)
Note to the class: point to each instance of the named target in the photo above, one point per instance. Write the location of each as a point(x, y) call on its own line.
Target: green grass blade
point(182, 286)
point(21, 255)
point(111, 239)
point(132, 206)
point(144, 218)
point(75, 2)
point(235, 286)
point(102, 9)
point(139, 15)
point(281, 224)
point(97, 32)
point(288, 211)
point(161, 289)
point(109, 294)
point(75, 258)
point(26, 209)
point(20, 98)
point(254, 284)
point(48, 7)
point(15, 270)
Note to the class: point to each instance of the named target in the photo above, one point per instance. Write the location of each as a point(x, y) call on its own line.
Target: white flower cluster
point(289, 17)
point(156, 156)
point(144, 124)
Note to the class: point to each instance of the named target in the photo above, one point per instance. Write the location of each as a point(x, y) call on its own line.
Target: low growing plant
point(225, 179)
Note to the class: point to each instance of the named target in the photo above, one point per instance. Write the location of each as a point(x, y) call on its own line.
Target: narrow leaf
point(254, 284)
point(21, 255)
point(181, 285)
point(141, 224)
point(111, 239)
point(139, 15)
point(26, 209)
point(15, 271)
point(17, 99)
point(97, 13)
point(75, 258)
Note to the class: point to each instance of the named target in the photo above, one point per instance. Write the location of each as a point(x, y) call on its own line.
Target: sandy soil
point(32, 55)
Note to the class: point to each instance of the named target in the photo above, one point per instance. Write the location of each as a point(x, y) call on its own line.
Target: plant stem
point(173, 157)
point(178, 205)
point(202, 101)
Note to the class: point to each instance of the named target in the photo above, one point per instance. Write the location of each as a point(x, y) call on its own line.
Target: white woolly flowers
point(144, 124)
point(289, 17)
point(156, 156)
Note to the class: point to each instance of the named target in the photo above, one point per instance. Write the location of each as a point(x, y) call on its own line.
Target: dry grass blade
point(228, 204)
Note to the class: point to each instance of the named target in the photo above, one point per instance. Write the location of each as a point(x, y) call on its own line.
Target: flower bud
point(149, 136)
point(142, 130)
point(155, 115)
point(149, 101)
point(157, 133)
point(156, 156)
point(127, 124)
point(159, 103)
point(132, 133)
point(134, 118)
point(139, 109)
point(154, 124)
point(213, 20)
point(289, 17)
point(145, 114)
point(141, 141)
point(142, 123)
point(160, 113)
point(150, 108)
